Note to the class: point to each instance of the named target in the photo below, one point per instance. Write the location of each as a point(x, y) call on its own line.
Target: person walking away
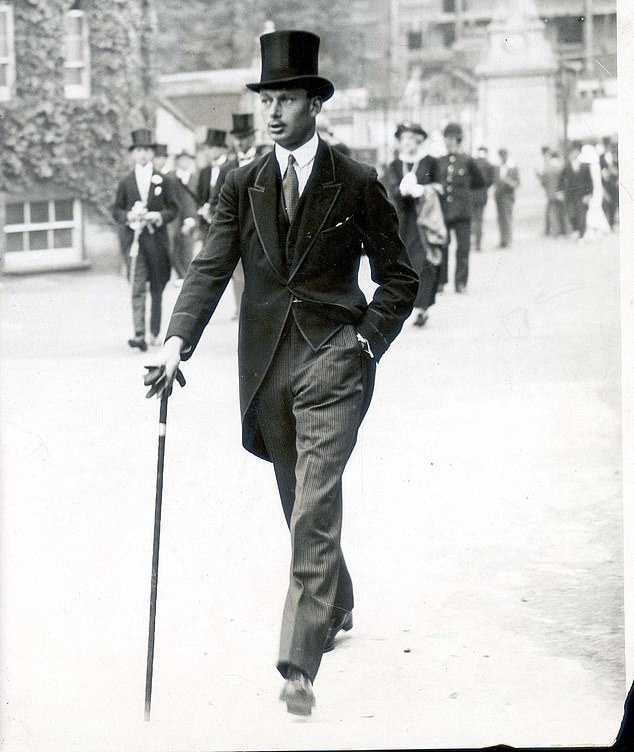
point(480, 196)
point(184, 227)
point(300, 219)
point(404, 179)
point(575, 189)
point(507, 179)
point(144, 204)
point(459, 176)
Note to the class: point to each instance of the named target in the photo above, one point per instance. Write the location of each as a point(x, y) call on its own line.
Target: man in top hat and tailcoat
point(144, 204)
point(300, 219)
point(459, 176)
point(217, 155)
point(405, 178)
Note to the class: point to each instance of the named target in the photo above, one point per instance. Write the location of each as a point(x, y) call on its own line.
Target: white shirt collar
point(304, 154)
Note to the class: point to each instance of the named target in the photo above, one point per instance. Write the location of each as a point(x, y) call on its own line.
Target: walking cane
point(156, 379)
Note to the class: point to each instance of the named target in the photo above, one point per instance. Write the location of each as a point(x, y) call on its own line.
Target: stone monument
point(517, 98)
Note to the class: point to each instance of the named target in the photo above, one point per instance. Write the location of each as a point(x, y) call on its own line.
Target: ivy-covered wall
point(78, 144)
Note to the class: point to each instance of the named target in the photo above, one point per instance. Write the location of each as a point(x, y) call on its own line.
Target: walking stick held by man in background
point(157, 381)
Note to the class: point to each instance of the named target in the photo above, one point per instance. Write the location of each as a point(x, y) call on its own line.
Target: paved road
point(483, 528)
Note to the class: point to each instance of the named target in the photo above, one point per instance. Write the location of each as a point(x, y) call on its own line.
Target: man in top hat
point(182, 230)
point(300, 219)
point(459, 176)
point(243, 133)
point(159, 160)
point(144, 204)
point(217, 155)
point(405, 178)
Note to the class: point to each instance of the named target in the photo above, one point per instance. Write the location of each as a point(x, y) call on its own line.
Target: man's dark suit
point(208, 193)
point(305, 383)
point(153, 264)
point(575, 182)
point(182, 243)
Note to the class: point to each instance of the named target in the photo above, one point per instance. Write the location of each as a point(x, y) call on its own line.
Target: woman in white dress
point(596, 222)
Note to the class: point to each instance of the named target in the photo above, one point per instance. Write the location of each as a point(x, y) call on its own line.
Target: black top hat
point(160, 150)
point(290, 60)
point(242, 124)
point(453, 129)
point(143, 138)
point(411, 127)
point(215, 137)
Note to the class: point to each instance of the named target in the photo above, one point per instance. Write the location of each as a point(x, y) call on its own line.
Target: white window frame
point(27, 258)
point(82, 90)
point(6, 91)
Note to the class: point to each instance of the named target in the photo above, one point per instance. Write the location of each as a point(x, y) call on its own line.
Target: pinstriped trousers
point(310, 406)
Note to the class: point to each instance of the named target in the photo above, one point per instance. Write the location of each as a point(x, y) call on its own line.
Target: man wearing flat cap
point(299, 219)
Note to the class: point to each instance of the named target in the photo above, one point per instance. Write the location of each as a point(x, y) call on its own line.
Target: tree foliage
point(78, 144)
point(208, 35)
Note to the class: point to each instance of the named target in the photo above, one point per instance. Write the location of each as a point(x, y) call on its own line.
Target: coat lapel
point(316, 203)
point(133, 188)
point(263, 198)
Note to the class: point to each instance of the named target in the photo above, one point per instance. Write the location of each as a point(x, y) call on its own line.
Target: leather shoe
point(337, 623)
point(421, 319)
point(138, 342)
point(298, 693)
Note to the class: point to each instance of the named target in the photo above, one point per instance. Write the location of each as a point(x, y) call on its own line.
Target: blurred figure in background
point(324, 129)
point(183, 230)
point(609, 164)
point(507, 179)
point(596, 222)
point(540, 172)
point(459, 176)
point(145, 203)
point(160, 158)
point(555, 211)
point(217, 156)
point(575, 190)
point(480, 196)
point(405, 180)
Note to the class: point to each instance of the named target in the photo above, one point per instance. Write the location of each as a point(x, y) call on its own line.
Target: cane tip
point(147, 712)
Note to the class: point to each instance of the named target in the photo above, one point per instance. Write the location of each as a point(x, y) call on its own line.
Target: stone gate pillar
point(517, 99)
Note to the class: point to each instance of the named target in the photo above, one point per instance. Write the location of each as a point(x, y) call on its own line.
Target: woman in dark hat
point(405, 179)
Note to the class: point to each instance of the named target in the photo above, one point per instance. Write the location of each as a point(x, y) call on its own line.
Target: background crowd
point(440, 202)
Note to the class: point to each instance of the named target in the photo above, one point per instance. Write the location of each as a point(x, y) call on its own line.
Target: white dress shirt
point(215, 170)
point(304, 160)
point(143, 175)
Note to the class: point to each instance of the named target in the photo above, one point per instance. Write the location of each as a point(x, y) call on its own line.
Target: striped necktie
point(290, 186)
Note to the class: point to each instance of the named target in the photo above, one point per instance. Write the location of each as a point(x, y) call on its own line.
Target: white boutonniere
point(157, 179)
point(158, 190)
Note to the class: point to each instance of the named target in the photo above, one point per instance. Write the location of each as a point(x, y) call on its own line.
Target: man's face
point(452, 144)
point(244, 143)
point(290, 115)
point(184, 163)
point(409, 142)
point(159, 162)
point(212, 153)
point(482, 153)
point(142, 155)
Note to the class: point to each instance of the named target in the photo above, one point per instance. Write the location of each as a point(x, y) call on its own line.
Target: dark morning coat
point(343, 212)
point(161, 198)
point(406, 206)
